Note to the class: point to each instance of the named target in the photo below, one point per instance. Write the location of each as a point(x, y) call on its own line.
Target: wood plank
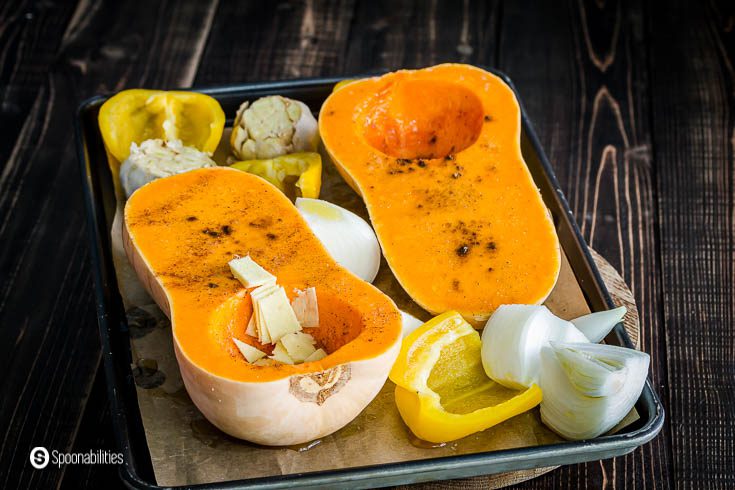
point(271, 40)
point(254, 41)
point(580, 68)
point(96, 416)
point(694, 128)
point(50, 334)
point(389, 35)
point(30, 34)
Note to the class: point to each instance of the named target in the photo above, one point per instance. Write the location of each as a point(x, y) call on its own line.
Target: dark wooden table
point(634, 103)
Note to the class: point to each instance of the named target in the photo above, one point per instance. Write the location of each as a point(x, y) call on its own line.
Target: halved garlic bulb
point(154, 159)
point(347, 237)
point(273, 126)
point(589, 388)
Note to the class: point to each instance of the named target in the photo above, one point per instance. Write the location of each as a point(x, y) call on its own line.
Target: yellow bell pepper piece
point(342, 83)
point(442, 392)
point(136, 115)
point(306, 166)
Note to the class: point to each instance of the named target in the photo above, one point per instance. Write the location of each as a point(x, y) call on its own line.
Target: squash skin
point(268, 414)
point(460, 221)
point(274, 405)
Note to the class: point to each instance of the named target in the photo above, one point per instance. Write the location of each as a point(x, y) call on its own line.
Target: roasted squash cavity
point(180, 232)
point(423, 119)
point(435, 154)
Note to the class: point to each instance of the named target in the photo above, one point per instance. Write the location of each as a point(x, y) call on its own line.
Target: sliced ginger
point(274, 320)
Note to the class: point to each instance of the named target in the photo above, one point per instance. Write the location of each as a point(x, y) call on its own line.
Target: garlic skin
point(273, 126)
point(589, 388)
point(596, 326)
point(513, 338)
point(347, 237)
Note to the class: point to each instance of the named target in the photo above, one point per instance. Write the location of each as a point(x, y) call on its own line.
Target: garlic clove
point(589, 388)
point(596, 326)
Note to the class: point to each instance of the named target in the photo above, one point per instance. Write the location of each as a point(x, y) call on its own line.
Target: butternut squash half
point(179, 234)
point(435, 154)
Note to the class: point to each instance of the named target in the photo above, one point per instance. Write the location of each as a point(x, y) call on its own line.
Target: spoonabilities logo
point(39, 457)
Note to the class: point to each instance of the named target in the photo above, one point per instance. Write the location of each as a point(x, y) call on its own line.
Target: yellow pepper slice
point(442, 392)
point(306, 166)
point(136, 115)
point(342, 83)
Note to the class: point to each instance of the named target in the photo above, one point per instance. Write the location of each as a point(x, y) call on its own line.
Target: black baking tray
point(137, 469)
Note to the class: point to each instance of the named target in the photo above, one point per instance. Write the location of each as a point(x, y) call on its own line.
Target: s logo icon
point(39, 457)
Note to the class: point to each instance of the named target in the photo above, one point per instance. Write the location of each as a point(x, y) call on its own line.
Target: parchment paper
point(186, 449)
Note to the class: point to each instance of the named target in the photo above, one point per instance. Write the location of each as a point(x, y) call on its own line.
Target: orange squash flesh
point(185, 229)
point(435, 155)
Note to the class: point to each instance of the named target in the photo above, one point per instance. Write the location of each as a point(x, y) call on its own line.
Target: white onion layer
point(410, 323)
point(348, 238)
point(596, 326)
point(589, 388)
point(513, 338)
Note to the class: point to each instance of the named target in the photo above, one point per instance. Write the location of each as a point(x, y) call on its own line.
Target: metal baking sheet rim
point(137, 470)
